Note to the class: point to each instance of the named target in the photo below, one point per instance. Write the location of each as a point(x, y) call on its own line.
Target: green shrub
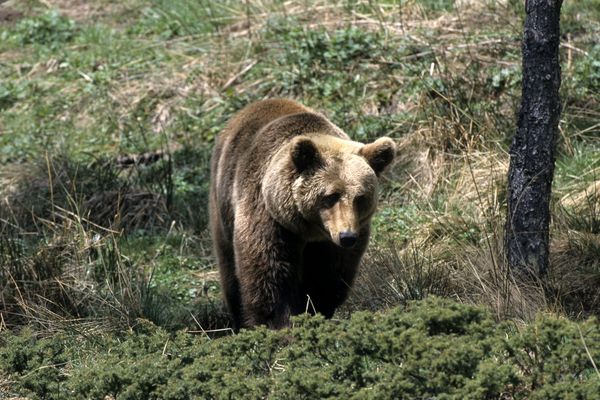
point(430, 349)
point(50, 28)
point(40, 361)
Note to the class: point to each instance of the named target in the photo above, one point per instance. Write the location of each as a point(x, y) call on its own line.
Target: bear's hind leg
point(229, 282)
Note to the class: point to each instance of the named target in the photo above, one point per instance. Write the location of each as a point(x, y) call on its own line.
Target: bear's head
point(325, 188)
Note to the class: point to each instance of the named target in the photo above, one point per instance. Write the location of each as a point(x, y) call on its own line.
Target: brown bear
point(291, 201)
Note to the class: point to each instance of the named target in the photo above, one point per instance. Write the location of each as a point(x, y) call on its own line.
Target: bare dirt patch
point(7, 14)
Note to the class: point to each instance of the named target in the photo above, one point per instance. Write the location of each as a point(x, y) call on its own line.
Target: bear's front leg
point(267, 258)
point(328, 273)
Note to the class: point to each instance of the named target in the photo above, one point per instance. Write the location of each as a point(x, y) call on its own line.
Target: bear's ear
point(379, 154)
point(305, 154)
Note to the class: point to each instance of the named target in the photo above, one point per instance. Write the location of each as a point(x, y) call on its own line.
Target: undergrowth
point(433, 349)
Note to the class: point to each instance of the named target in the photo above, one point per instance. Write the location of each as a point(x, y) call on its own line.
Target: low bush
point(430, 349)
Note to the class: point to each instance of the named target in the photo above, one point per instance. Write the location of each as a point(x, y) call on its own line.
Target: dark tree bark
point(532, 152)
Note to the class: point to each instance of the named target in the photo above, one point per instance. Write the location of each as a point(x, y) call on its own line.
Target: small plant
point(170, 19)
point(322, 62)
point(390, 276)
point(586, 78)
point(7, 96)
point(50, 28)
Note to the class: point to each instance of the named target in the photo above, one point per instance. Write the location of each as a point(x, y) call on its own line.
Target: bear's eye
point(361, 202)
point(330, 200)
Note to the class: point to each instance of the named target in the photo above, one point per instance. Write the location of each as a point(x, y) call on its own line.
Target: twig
point(79, 220)
point(200, 326)
point(213, 330)
point(239, 74)
point(571, 47)
point(309, 304)
point(587, 351)
point(164, 351)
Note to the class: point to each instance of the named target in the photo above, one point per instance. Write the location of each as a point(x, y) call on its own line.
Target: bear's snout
point(348, 239)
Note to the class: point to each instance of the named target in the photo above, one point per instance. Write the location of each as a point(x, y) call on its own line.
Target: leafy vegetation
point(108, 112)
point(436, 349)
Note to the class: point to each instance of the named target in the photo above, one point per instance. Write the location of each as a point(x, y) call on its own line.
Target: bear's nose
point(348, 239)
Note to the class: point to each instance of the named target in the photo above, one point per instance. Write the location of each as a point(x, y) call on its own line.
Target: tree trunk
point(532, 151)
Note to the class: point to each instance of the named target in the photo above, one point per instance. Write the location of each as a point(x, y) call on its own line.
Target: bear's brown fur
point(290, 208)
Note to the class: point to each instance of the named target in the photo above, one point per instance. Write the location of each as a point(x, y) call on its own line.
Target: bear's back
point(239, 134)
point(245, 146)
point(256, 133)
